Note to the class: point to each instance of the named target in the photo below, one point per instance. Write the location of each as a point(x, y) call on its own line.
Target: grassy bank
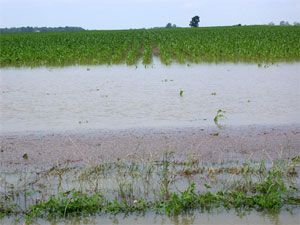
point(168, 187)
point(183, 45)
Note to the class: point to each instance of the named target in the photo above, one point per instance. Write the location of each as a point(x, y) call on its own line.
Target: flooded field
point(135, 140)
point(148, 192)
point(119, 97)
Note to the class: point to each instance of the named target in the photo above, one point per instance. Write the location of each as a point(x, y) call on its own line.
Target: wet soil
point(39, 149)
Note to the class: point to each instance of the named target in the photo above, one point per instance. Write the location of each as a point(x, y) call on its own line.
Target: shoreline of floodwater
point(154, 63)
point(208, 143)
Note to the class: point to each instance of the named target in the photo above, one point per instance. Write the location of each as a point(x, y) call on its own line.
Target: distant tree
point(169, 25)
point(195, 21)
point(271, 24)
point(284, 23)
point(296, 23)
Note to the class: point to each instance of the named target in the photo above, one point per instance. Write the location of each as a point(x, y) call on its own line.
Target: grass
point(252, 186)
point(271, 195)
point(258, 44)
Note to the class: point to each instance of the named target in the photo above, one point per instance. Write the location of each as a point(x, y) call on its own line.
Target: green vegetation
point(220, 114)
point(151, 186)
point(182, 45)
point(195, 21)
point(181, 92)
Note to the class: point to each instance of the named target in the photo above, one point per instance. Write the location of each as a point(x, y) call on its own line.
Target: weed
point(259, 186)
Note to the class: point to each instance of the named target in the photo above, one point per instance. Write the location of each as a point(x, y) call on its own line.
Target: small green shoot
point(181, 92)
point(25, 156)
point(207, 186)
point(220, 114)
point(80, 122)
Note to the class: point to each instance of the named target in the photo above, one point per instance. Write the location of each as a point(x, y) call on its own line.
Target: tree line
point(38, 29)
point(285, 23)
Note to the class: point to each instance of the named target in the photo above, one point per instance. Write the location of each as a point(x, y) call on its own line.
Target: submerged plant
point(220, 114)
point(152, 186)
point(181, 92)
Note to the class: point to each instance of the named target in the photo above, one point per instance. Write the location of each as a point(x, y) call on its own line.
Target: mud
point(209, 144)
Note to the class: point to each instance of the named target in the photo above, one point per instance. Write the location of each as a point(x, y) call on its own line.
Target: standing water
point(221, 218)
point(101, 97)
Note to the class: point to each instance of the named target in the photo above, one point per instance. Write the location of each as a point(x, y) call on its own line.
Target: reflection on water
point(74, 98)
point(280, 218)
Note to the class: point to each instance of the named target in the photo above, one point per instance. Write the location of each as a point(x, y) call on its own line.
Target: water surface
point(228, 218)
point(102, 97)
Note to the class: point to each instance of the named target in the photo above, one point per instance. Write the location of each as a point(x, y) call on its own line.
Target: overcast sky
point(124, 14)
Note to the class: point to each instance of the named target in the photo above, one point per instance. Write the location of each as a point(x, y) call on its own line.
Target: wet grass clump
point(126, 187)
point(270, 194)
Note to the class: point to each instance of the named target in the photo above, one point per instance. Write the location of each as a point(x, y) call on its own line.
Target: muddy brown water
point(120, 97)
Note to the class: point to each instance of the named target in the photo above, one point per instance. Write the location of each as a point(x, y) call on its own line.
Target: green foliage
point(182, 45)
point(195, 21)
point(170, 25)
point(181, 92)
point(72, 203)
point(220, 114)
point(259, 186)
point(270, 194)
point(179, 202)
point(186, 200)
